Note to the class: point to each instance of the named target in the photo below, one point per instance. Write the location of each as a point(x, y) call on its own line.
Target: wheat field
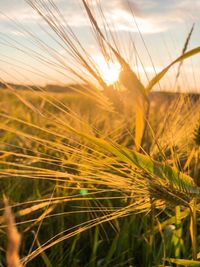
point(101, 172)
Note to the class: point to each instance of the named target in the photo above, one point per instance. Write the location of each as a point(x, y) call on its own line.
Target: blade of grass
point(160, 75)
point(184, 262)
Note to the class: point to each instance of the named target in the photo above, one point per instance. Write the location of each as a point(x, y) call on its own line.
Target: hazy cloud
point(151, 15)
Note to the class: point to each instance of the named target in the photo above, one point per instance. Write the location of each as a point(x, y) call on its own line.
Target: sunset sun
point(109, 71)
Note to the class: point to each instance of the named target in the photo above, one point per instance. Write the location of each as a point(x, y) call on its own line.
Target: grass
point(99, 179)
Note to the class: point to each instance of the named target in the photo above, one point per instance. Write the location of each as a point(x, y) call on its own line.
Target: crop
point(90, 185)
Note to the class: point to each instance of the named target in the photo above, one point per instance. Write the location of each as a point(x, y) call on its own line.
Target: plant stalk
point(193, 229)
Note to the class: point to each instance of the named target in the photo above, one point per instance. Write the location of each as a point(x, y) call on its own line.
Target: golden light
point(109, 71)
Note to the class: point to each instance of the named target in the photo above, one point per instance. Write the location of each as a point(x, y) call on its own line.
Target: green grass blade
point(184, 262)
point(178, 180)
point(160, 75)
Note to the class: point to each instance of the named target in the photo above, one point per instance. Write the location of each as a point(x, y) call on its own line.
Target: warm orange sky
point(164, 26)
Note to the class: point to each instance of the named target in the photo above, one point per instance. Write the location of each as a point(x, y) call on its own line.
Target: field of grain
point(104, 175)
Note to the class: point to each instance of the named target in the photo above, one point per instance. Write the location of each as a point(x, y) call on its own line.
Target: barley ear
point(13, 237)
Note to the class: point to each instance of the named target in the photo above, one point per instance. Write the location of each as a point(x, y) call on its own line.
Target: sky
point(150, 39)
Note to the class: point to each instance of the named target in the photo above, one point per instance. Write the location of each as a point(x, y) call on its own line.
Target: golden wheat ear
point(129, 80)
point(13, 237)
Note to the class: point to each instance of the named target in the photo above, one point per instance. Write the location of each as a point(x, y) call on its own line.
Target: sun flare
point(109, 71)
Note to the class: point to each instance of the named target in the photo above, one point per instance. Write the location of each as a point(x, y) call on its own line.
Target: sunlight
point(109, 71)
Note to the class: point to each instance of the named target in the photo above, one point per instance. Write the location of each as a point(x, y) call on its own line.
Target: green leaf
point(160, 75)
point(184, 262)
point(178, 180)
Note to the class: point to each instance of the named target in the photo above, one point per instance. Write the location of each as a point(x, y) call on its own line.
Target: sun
point(109, 71)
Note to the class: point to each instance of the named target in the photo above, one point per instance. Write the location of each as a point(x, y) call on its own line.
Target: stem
point(193, 229)
point(178, 233)
point(152, 235)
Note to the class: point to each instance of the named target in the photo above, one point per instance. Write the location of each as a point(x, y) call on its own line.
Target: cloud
point(16, 10)
point(172, 11)
point(151, 16)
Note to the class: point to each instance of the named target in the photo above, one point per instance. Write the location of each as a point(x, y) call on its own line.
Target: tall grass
point(91, 185)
